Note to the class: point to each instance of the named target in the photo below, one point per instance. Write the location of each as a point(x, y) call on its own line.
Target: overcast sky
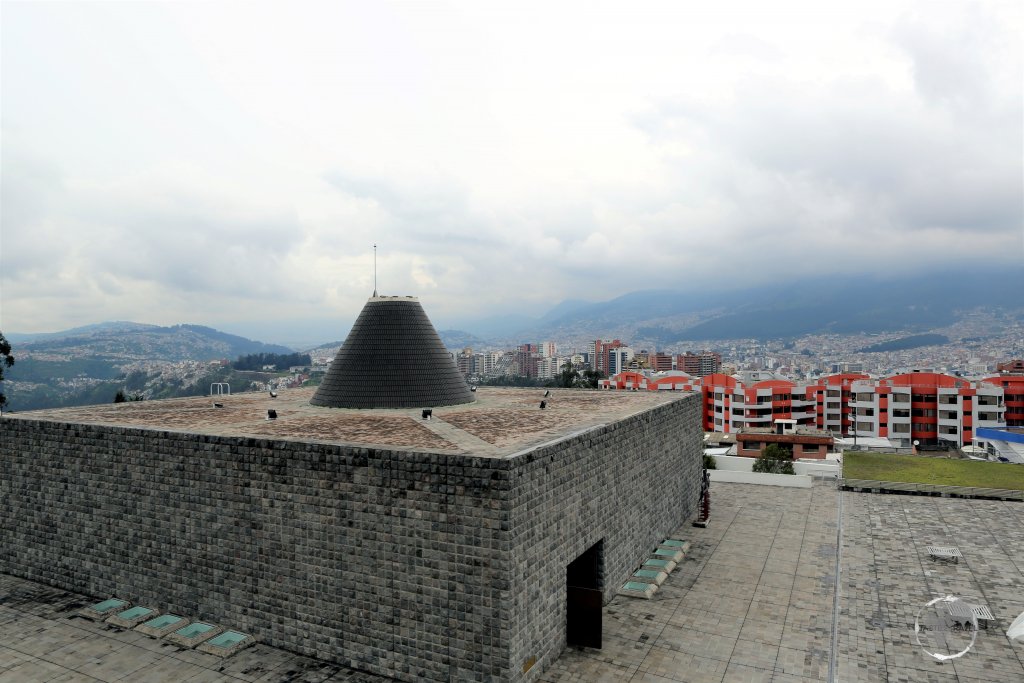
point(221, 163)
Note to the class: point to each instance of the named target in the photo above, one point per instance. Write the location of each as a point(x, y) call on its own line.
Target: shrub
point(709, 462)
point(775, 460)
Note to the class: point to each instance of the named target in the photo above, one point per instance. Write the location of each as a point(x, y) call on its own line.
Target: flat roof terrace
point(500, 423)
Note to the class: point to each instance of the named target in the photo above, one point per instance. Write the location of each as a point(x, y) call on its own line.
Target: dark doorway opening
point(584, 601)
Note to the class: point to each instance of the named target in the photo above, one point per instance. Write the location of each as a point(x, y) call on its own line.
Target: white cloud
point(222, 162)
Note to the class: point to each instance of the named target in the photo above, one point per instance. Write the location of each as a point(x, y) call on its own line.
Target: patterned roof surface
point(499, 423)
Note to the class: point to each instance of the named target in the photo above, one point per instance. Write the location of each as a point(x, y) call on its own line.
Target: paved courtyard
point(753, 601)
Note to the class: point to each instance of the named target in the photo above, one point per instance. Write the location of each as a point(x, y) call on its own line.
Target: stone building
point(421, 549)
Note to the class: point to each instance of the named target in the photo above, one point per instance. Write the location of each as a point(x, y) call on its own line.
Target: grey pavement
point(43, 639)
point(753, 601)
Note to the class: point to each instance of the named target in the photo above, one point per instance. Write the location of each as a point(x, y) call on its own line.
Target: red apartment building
point(1013, 397)
point(1013, 366)
point(926, 407)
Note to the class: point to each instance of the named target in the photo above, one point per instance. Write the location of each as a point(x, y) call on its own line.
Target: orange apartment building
point(1013, 397)
point(930, 408)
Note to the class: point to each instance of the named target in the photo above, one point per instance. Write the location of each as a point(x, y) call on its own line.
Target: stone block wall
point(630, 484)
point(385, 561)
point(412, 565)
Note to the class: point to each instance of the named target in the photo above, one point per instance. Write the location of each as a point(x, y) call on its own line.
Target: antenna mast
point(374, 270)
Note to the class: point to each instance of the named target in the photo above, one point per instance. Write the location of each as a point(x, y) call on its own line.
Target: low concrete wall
point(733, 463)
point(798, 481)
point(820, 468)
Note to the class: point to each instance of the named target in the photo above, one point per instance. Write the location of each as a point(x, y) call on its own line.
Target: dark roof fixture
point(427, 413)
point(392, 358)
point(547, 393)
point(543, 405)
point(218, 405)
point(273, 394)
point(271, 414)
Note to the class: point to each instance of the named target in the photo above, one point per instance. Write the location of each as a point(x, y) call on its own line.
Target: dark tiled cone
point(392, 358)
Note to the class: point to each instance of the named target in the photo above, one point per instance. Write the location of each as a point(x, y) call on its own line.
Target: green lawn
point(911, 468)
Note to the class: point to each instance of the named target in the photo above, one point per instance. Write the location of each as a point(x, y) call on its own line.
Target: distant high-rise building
point(699, 364)
point(660, 361)
point(618, 358)
point(600, 351)
point(548, 367)
point(466, 361)
point(526, 360)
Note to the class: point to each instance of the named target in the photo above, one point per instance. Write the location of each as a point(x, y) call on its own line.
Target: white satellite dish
point(1016, 630)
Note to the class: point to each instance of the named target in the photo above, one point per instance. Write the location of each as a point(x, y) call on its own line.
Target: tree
point(119, 397)
point(569, 376)
point(6, 360)
point(592, 377)
point(775, 459)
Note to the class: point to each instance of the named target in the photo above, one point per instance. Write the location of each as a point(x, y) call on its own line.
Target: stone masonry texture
point(414, 565)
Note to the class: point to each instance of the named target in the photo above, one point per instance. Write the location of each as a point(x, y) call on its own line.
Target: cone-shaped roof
point(392, 358)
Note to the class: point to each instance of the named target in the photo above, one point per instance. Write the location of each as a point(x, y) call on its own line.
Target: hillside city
point(972, 347)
